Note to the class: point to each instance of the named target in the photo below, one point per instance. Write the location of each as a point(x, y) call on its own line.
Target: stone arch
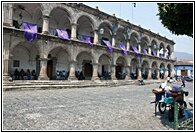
point(168, 70)
point(120, 37)
point(107, 32)
point(61, 21)
point(25, 55)
point(168, 51)
point(154, 68)
point(121, 64)
point(87, 16)
point(145, 69)
point(134, 68)
point(161, 50)
point(134, 39)
point(59, 59)
point(144, 44)
point(162, 70)
point(104, 64)
point(84, 63)
point(154, 46)
point(85, 26)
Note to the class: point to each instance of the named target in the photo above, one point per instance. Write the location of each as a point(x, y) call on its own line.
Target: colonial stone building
point(148, 53)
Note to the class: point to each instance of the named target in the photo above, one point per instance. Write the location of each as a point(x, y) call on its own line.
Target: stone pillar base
point(72, 78)
point(114, 78)
point(43, 77)
point(127, 78)
point(7, 78)
point(45, 32)
point(95, 78)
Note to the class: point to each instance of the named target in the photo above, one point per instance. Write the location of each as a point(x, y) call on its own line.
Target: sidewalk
point(63, 84)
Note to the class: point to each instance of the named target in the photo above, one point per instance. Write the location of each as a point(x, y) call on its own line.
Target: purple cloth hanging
point(109, 46)
point(168, 57)
point(162, 55)
point(155, 54)
point(145, 51)
point(63, 34)
point(88, 40)
point(30, 31)
point(136, 51)
point(122, 46)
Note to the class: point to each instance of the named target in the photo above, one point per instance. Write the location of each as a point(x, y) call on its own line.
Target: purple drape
point(122, 46)
point(30, 31)
point(155, 54)
point(136, 51)
point(162, 55)
point(88, 40)
point(145, 51)
point(109, 46)
point(168, 57)
point(62, 34)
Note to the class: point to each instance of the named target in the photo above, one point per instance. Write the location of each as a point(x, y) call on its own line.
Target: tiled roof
point(184, 63)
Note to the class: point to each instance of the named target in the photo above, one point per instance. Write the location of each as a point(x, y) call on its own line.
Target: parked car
point(188, 79)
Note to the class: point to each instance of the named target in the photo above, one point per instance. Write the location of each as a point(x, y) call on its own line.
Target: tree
point(177, 17)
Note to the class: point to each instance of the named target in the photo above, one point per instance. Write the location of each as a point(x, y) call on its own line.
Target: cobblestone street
point(98, 108)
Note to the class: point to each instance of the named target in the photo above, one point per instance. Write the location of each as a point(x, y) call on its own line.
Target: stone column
point(113, 40)
point(128, 44)
point(158, 74)
point(127, 73)
point(6, 75)
point(139, 47)
point(164, 71)
point(8, 14)
point(95, 41)
point(164, 53)
point(45, 28)
point(172, 72)
point(149, 73)
point(95, 72)
point(72, 75)
point(172, 54)
point(43, 69)
point(73, 31)
point(149, 50)
point(139, 73)
point(158, 52)
point(113, 72)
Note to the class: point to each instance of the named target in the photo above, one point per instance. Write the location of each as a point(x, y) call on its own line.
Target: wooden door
point(49, 69)
point(118, 69)
point(88, 70)
point(184, 73)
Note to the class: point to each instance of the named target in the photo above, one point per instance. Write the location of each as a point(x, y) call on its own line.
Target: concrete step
point(62, 84)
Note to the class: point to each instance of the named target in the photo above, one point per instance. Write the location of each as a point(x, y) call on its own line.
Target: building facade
point(183, 68)
point(149, 55)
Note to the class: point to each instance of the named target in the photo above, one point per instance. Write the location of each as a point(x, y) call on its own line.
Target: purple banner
point(122, 46)
point(161, 55)
point(154, 53)
point(30, 31)
point(88, 40)
point(145, 51)
point(63, 34)
point(136, 51)
point(109, 46)
point(168, 57)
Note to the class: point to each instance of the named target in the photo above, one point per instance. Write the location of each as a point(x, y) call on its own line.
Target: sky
point(144, 14)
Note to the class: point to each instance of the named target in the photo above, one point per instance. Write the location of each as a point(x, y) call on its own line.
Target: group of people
point(62, 75)
point(105, 76)
point(79, 75)
point(20, 74)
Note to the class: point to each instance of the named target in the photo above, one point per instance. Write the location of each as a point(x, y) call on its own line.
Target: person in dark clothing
point(16, 74)
point(22, 74)
point(183, 81)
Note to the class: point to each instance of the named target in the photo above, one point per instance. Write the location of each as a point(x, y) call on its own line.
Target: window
point(16, 63)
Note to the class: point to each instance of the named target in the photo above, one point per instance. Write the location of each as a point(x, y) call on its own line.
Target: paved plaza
point(97, 108)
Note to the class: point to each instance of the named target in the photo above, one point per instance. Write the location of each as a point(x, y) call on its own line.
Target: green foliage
point(177, 17)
